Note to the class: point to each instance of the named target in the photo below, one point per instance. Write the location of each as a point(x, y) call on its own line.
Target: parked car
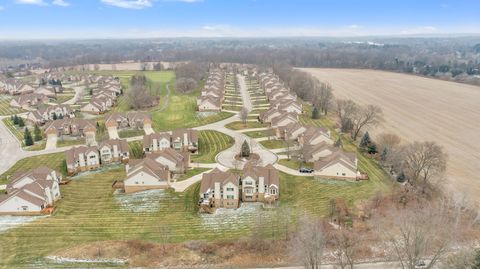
point(305, 170)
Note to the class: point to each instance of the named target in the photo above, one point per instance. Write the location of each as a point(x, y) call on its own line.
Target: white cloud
point(421, 30)
point(130, 4)
point(31, 2)
point(61, 3)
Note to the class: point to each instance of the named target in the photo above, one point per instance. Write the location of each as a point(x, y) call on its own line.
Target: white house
point(339, 165)
point(31, 192)
point(146, 174)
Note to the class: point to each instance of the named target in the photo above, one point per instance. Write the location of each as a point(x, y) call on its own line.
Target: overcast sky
point(33, 19)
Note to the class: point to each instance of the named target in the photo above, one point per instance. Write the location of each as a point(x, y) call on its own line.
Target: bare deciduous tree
point(422, 162)
point(309, 243)
point(346, 246)
point(185, 85)
point(345, 111)
point(139, 95)
point(369, 115)
point(243, 115)
point(415, 234)
point(323, 96)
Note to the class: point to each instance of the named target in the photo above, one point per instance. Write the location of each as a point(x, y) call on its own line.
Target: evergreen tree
point(339, 143)
point(21, 123)
point(37, 133)
point(372, 148)
point(55, 116)
point(383, 156)
point(28, 137)
point(15, 119)
point(315, 113)
point(60, 116)
point(245, 149)
point(401, 177)
point(366, 141)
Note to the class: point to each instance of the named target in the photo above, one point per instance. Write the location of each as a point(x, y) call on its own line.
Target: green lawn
point(258, 111)
point(15, 129)
point(63, 97)
point(210, 144)
point(191, 172)
point(70, 142)
point(258, 134)
point(54, 160)
point(238, 125)
point(274, 144)
point(130, 133)
point(135, 149)
point(5, 108)
point(294, 164)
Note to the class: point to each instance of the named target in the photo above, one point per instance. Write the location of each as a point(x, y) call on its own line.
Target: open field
point(418, 108)
point(210, 144)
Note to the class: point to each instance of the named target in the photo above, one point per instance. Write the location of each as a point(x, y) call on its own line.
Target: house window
point(248, 183)
point(343, 174)
point(136, 182)
point(229, 189)
point(24, 208)
point(229, 196)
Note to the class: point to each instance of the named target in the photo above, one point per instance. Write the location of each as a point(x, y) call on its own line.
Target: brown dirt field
point(418, 108)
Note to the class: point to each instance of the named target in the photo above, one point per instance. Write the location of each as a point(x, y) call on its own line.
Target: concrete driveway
point(51, 142)
point(112, 132)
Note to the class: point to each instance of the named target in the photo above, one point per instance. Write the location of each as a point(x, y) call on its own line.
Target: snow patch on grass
point(140, 202)
point(244, 215)
point(9, 222)
point(206, 114)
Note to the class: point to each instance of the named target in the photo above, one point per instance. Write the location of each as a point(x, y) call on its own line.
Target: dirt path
point(418, 108)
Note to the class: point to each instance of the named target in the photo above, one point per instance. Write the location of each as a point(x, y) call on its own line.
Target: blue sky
point(32, 19)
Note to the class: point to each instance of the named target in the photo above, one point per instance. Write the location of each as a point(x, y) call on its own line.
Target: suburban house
point(146, 174)
point(290, 131)
point(315, 135)
point(268, 115)
point(80, 159)
point(212, 95)
point(29, 100)
point(50, 92)
point(16, 87)
point(156, 141)
point(73, 127)
point(31, 192)
point(209, 103)
point(114, 151)
point(97, 105)
point(287, 105)
point(129, 120)
point(219, 189)
point(260, 184)
point(185, 139)
point(312, 153)
point(177, 162)
point(284, 119)
point(42, 115)
point(340, 164)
